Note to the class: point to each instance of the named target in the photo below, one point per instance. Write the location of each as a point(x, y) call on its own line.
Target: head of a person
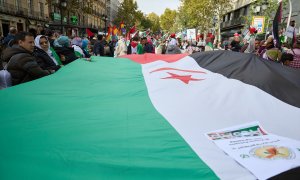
point(85, 43)
point(135, 39)
point(285, 45)
point(100, 37)
point(13, 30)
point(270, 45)
point(208, 39)
point(173, 35)
point(292, 23)
point(42, 42)
point(55, 35)
point(76, 41)
point(257, 44)
point(143, 40)
point(286, 58)
point(236, 37)
point(262, 42)
point(49, 33)
point(269, 40)
point(33, 32)
point(25, 40)
point(62, 41)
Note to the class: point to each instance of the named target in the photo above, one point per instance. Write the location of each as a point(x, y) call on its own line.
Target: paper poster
point(259, 23)
point(262, 153)
point(191, 34)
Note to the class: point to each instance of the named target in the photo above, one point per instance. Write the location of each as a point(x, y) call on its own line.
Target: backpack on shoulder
point(5, 78)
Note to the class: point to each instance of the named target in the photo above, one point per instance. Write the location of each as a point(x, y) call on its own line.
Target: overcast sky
point(157, 6)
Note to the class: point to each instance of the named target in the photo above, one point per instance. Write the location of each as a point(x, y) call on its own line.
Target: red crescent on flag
point(184, 78)
point(167, 68)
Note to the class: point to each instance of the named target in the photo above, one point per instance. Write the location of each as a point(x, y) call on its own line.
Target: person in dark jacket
point(148, 47)
point(10, 37)
point(235, 44)
point(50, 35)
point(22, 65)
point(63, 49)
point(98, 48)
point(44, 55)
point(85, 48)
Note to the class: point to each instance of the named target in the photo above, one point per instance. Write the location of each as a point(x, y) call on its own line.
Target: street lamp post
point(62, 5)
point(105, 19)
point(106, 24)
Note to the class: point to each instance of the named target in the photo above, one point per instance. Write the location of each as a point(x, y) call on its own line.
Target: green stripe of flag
point(91, 120)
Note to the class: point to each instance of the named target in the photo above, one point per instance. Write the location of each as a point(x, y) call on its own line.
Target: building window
point(236, 14)
point(246, 11)
point(18, 4)
point(42, 9)
point(2, 2)
point(30, 6)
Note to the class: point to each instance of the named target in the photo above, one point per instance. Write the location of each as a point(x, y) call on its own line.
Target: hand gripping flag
point(144, 116)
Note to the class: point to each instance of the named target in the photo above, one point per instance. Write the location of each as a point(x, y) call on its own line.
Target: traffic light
point(74, 19)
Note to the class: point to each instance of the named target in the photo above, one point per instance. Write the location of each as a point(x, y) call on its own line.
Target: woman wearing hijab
point(44, 56)
point(85, 48)
point(63, 49)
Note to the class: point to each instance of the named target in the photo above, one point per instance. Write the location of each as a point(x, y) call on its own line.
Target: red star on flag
point(184, 78)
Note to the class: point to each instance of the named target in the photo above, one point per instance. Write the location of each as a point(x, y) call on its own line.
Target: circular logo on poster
point(272, 152)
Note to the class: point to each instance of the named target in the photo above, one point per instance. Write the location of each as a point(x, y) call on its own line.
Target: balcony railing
point(234, 22)
point(11, 9)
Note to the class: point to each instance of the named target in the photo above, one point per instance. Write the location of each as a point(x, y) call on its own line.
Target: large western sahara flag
point(144, 118)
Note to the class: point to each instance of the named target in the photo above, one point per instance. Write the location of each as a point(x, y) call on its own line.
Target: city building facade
point(22, 14)
point(77, 15)
point(235, 20)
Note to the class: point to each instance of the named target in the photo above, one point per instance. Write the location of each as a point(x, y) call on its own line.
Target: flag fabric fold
point(276, 23)
point(89, 32)
point(142, 116)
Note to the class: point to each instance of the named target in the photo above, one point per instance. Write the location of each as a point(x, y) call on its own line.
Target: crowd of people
point(28, 56)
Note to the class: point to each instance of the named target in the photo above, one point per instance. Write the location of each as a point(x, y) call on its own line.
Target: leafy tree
point(155, 24)
point(196, 14)
point(168, 19)
point(269, 12)
point(201, 14)
point(142, 22)
point(127, 13)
